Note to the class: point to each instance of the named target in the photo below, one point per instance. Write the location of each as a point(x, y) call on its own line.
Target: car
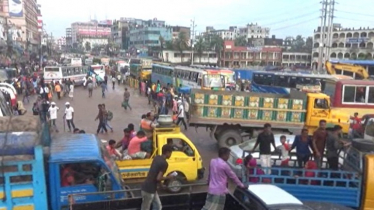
point(236, 155)
point(268, 197)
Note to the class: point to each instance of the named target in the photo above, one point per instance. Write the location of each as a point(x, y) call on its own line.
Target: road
point(85, 111)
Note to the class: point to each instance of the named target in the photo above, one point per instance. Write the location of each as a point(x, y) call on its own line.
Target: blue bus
point(162, 72)
point(282, 83)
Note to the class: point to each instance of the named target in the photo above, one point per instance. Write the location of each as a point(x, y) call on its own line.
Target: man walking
point(265, 139)
point(101, 117)
point(155, 175)
point(103, 89)
point(219, 172)
point(113, 82)
point(107, 118)
point(181, 114)
point(53, 115)
point(69, 116)
point(319, 141)
point(126, 99)
point(90, 86)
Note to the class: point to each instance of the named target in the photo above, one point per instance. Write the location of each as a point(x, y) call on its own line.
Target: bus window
point(259, 79)
point(281, 81)
point(353, 94)
point(321, 104)
point(371, 95)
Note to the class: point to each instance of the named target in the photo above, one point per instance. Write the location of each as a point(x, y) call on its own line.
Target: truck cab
point(185, 159)
point(319, 108)
point(32, 170)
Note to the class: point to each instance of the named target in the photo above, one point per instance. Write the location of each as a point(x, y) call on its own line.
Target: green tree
point(88, 46)
point(162, 41)
point(298, 44)
point(308, 44)
point(216, 44)
point(181, 43)
point(169, 45)
point(241, 41)
point(200, 47)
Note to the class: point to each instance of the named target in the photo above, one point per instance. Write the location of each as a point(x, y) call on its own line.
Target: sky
point(284, 17)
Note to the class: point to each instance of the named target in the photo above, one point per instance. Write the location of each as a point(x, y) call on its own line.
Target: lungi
point(214, 202)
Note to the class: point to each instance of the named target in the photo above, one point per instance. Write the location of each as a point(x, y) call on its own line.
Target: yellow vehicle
point(353, 70)
point(230, 114)
point(186, 161)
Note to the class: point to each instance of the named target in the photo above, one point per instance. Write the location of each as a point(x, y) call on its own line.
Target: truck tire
point(175, 185)
point(229, 138)
point(363, 145)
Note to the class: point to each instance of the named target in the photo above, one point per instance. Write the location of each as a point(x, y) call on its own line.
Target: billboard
point(105, 22)
point(15, 8)
point(357, 40)
point(95, 32)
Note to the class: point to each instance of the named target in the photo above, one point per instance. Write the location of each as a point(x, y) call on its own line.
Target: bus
point(141, 67)
point(228, 74)
point(282, 83)
point(352, 96)
point(59, 73)
point(99, 70)
point(182, 76)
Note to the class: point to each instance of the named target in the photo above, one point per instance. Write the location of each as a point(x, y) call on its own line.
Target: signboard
point(105, 22)
point(15, 8)
point(357, 40)
point(254, 49)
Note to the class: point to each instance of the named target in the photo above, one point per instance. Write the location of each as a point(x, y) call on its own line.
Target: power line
point(355, 13)
point(293, 18)
point(296, 24)
point(353, 19)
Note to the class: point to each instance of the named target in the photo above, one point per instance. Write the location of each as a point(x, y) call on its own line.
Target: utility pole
point(323, 34)
point(331, 28)
point(192, 39)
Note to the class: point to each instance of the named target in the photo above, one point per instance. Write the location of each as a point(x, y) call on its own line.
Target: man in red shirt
point(112, 149)
point(134, 148)
point(356, 126)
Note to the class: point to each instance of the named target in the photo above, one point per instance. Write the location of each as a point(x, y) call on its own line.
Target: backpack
point(110, 115)
point(35, 108)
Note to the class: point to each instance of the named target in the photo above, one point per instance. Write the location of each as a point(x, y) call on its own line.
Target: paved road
point(86, 110)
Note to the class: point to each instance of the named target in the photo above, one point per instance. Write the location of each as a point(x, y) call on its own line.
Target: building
point(347, 43)
point(20, 20)
point(250, 31)
point(68, 38)
point(147, 35)
point(299, 59)
point(179, 29)
point(61, 43)
point(172, 56)
point(238, 56)
point(94, 32)
point(121, 29)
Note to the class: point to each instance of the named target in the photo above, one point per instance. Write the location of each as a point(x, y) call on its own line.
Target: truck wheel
point(229, 138)
point(363, 145)
point(175, 185)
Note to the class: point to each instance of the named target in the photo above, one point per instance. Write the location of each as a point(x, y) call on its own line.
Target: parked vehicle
point(35, 167)
point(187, 162)
point(228, 115)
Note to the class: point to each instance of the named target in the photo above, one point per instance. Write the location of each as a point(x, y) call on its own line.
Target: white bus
point(58, 73)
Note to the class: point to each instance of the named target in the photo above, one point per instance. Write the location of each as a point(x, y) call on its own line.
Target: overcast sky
point(284, 17)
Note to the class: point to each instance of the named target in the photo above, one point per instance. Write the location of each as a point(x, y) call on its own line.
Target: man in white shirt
point(181, 114)
point(52, 110)
point(69, 116)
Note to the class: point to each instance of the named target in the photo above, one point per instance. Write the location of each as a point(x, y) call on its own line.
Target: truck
point(352, 185)
point(33, 164)
point(185, 160)
point(230, 116)
point(256, 196)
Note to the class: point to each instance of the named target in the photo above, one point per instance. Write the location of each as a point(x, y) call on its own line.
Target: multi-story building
point(61, 43)
point(120, 31)
point(172, 56)
point(250, 31)
point(238, 56)
point(290, 59)
point(179, 29)
point(20, 20)
point(68, 38)
point(148, 34)
point(347, 43)
point(94, 32)
point(268, 42)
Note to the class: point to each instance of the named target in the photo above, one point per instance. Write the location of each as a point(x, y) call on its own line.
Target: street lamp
point(193, 25)
point(41, 48)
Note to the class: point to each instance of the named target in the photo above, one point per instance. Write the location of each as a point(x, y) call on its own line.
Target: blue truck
point(39, 172)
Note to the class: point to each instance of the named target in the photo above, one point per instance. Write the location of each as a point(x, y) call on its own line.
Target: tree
point(169, 45)
point(241, 41)
point(298, 44)
point(87, 46)
point(162, 41)
point(181, 43)
point(216, 43)
point(200, 47)
point(309, 44)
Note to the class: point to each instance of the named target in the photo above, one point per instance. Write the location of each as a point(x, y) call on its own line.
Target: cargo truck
point(232, 115)
point(34, 165)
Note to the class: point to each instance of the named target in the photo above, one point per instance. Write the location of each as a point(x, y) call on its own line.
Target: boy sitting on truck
point(134, 148)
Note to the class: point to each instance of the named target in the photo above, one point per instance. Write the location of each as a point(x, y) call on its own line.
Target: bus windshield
point(214, 81)
point(52, 69)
